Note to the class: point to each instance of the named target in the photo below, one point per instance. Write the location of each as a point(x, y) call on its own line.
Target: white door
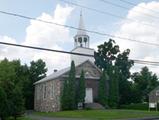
point(89, 95)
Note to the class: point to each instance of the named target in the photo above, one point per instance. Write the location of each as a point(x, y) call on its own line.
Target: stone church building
point(49, 89)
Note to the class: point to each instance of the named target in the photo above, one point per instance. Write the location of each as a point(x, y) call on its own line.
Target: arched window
point(85, 39)
point(80, 39)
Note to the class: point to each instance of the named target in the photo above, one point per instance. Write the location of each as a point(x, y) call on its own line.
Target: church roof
point(63, 71)
point(81, 26)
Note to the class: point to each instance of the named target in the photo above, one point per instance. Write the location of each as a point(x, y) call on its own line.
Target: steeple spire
point(81, 26)
point(81, 38)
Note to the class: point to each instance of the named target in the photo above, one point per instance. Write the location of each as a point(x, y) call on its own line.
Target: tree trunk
point(15, 117)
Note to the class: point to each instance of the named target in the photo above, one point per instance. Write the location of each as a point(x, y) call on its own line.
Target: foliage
point(9, 82)
point(124, 65)
point(3, 104)
point(64, 96)
point(137, 106)
point(144, 82)
point(106, 54)
point(114, 88)
point(68, 98)
point(109, 58)
point(18, 102)
point(81, 89)
point(103, 89)
point(16, 83)
point(37, 71)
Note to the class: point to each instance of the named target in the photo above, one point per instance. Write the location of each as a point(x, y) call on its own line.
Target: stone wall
point(47, 96)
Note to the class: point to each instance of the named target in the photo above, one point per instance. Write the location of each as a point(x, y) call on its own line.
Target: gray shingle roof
point(53, 75)
point(61, 72)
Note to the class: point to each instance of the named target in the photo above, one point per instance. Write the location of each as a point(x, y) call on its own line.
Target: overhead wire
point(123, 7)
point(72, 27)
point(106, 13)
point(133, 4)
point(73, 53)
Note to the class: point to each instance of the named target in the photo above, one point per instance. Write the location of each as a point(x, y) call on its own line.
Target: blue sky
point(18, 29)
point(15, 27)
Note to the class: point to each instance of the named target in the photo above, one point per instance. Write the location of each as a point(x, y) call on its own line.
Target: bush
point(137, 106)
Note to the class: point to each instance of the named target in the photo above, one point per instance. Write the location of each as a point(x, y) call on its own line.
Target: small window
point(52, 91)
point(44, 93)
point(37, 92)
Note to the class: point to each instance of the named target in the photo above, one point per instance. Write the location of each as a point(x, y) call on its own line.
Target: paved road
point(35, 117)
point(150, 118)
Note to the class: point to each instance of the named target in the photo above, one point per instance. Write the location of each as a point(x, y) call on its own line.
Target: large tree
point(9, 82)
point(106, 54)
point(37, 71)
point(113, 100)
point(81, 89)
point(18, 102)
point(144, 82)
point(103, 89)
point(109, 56)
point(65, 95)
point(3, 104)
point(124, 64)
point(68, 98)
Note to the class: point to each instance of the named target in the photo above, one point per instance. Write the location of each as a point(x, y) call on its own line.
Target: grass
point(20, 118)
point(101, 114)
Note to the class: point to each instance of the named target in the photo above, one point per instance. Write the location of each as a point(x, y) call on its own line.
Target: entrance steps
point(94, 106)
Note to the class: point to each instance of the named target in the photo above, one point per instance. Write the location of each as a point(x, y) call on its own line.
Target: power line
point(146, 61)
point(123, 7)
point(105, 13)
point(133, 4)
point(74, 53)
point(75, 28)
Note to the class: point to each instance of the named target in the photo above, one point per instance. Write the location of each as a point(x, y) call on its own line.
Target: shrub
point(137, 106)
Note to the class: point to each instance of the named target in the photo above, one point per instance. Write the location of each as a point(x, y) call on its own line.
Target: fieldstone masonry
point(48, 92)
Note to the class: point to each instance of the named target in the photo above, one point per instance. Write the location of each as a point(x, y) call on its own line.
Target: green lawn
point(101, 114)
point(20, 118)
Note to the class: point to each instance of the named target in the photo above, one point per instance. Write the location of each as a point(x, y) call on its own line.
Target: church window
point(80, 39)
point(52, 90)
point(85, 39)
point(44, 92)
point(37, 92)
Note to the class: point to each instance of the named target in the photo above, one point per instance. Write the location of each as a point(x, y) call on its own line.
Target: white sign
point(152, 105)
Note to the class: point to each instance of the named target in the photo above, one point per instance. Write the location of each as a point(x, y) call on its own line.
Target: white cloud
point(137, 30)
point(43, 35)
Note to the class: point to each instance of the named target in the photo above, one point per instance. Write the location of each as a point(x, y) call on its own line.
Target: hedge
point(137, 106)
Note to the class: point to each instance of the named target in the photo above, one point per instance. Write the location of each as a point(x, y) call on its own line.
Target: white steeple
point(81, 39)
point(81, 26)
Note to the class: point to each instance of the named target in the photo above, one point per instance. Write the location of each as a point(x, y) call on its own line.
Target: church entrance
point(89, 95)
